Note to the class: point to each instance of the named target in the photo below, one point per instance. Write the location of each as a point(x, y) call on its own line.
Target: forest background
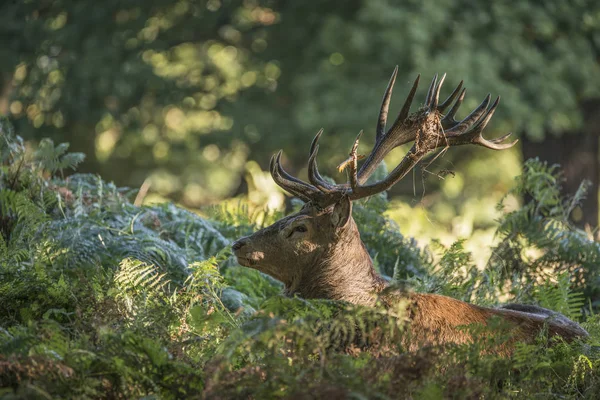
point(118, 281)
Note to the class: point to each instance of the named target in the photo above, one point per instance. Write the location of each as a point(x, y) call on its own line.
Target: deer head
point(317, 252)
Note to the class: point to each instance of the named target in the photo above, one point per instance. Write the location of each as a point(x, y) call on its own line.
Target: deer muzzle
point(246, 256)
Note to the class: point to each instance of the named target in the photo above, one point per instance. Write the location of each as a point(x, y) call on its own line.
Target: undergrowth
point(103, 299)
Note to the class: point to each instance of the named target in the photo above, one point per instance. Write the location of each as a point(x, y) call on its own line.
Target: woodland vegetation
point(104, 299)
point(191, 95)
point(134, 139)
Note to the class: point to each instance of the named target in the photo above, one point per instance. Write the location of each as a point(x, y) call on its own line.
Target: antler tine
point(288, 182)
point(436, 93)
point(501, 138)
point(407, 103)
point(474, 135)
point(405, 110)
point(296, 184)
point(494, 145)
point(313, 147)
point(282, 172)
point(463, 125)
point(313, 170)
point(448, 121)
point(385, 105)
point(431, 89)
point(442, 107)
point(485, 118)
point(315, 141)
point(394, 137)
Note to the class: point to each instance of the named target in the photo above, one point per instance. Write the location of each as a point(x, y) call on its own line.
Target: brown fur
point(319, 254)
point(436, 319)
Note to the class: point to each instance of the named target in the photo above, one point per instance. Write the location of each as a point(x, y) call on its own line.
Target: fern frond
point(55, 158)
point(135, 275)
point(559, 297)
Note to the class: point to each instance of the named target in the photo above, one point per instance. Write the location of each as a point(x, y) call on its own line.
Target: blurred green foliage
point(185, 92)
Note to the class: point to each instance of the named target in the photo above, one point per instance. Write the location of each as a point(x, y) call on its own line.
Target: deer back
point(436, 319)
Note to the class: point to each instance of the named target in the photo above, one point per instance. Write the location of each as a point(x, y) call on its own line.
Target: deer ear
point(342, 211)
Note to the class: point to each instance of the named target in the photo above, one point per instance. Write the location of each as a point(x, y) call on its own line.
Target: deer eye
point(299, 228)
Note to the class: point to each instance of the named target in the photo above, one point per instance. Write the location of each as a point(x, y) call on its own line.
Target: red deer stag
point(318, 254)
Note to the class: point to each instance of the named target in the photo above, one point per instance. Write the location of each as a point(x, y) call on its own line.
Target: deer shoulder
point(318, 253)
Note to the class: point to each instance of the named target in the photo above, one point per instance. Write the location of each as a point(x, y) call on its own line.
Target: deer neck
point(344, 271)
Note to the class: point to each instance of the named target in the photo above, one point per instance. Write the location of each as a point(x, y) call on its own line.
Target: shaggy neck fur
point(344, 271)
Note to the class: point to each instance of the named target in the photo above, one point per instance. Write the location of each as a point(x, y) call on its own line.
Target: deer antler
point(429, 128)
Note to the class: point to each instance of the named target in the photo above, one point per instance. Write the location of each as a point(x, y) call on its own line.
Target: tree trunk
point(578, 155)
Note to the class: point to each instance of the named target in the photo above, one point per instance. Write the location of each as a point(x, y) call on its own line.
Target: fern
point(134, 275)
point(559, 297)
point(393, 253)
point(100, 298)
point(538, 241)
point(55, 158)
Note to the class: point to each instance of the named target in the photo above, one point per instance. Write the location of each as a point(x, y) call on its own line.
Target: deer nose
point(238, 244)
